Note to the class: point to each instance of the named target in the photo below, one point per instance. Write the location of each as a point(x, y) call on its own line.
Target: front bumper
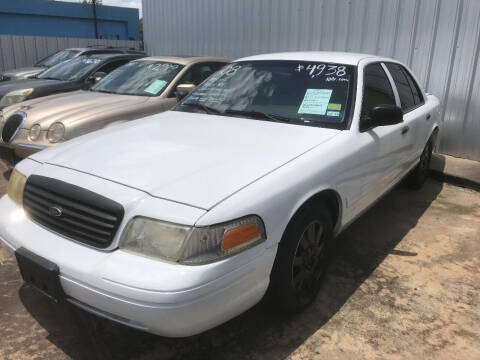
point(164, 298)
point(23, 147)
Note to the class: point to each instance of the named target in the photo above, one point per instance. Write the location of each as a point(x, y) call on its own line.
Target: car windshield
point(57, 58)
point(299, 92)
point(144, 78)
point(71, 69)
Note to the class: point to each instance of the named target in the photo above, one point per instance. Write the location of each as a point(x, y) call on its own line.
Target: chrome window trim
point(32, 146)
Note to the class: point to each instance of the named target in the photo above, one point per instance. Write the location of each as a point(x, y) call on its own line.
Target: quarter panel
point(277, 196)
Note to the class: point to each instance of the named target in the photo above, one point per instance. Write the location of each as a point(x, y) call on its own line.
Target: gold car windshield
point(143, 78)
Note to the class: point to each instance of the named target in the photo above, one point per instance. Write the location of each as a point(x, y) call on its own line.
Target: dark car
point(75, 74)
point(61, 56)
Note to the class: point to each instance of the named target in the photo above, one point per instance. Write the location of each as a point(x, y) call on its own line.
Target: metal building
point(438, 39)
point(66, 19)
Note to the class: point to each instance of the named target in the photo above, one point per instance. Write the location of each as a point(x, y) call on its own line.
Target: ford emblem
point(55, 211)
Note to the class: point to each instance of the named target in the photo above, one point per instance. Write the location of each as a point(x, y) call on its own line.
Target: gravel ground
point(403, 283)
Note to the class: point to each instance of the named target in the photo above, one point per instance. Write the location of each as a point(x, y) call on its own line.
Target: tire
point(302, 259)
point(418, 176)
point(9, 156)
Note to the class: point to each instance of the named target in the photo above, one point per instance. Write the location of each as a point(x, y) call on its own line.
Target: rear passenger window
point(410, 95)
point(377, 89)
point(417, 94)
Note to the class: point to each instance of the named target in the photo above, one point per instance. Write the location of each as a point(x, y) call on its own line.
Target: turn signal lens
point(15, 187)
point(212, 243)
point(240, 236)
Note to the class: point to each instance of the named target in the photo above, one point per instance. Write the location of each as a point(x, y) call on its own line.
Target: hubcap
point(308, 262)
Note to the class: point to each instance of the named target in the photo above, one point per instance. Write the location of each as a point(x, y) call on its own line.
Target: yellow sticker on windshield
point(333, 106)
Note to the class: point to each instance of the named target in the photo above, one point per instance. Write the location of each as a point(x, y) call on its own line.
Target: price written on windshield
point(314, 70)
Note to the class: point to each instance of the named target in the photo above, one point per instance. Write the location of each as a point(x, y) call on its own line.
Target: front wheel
point(301, 259)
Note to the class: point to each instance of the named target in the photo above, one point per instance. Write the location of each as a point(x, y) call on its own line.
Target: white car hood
point(190, 158)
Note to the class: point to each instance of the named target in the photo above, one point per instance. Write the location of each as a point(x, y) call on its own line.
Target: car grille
point(11, 127)
point(72, 211)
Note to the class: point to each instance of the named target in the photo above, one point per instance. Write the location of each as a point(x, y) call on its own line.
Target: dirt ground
point(404, 282)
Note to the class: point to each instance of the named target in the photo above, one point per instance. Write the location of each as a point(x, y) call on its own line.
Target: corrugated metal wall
point(20, 51)
point(438, 39)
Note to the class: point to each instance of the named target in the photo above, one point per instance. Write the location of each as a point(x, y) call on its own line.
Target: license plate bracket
point(40, 273)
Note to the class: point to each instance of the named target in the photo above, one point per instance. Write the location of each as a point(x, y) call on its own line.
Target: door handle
point(429, 116)
point(405, 129)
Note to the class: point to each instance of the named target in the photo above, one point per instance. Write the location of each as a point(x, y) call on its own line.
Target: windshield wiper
point(104, 91)
point(258, 115)
point(206, 109)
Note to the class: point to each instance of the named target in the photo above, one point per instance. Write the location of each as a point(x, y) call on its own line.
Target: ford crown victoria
point(178, 222)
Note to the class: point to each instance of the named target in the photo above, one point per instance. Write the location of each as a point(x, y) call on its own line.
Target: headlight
point(191, 245)
point(34, 133)
point(15, 97)
point(56, 132)
point(15, 186)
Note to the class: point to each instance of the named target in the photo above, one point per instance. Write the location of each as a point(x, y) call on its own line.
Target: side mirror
point(96, 77)
point(382, 115)
point(183, 90)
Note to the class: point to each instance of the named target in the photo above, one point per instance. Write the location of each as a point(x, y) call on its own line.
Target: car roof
point(113, 55)
point(102, 48)
point(320, 56)
point(185, 60)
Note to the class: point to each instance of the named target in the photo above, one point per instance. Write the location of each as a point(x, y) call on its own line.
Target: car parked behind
point(78, 73)
point(61, 56)
point(136, 89)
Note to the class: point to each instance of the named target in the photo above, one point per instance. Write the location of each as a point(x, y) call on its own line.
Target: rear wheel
point(301, 259)
point(418, 176)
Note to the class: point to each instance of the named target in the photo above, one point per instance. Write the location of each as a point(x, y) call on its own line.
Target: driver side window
point(377, 89)
point(197, 73)
point(108, 68)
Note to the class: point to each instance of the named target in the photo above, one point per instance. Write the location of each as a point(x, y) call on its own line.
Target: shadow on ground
point(260, 332)
point(7, 161)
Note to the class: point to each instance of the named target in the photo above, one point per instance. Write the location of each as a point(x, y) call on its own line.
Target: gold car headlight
point(14, 97)
point(56, 132)
point(191, 245)
point(15, 186)
point(34, 132)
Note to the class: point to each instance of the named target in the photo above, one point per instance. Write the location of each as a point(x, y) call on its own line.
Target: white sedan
point(180, 221)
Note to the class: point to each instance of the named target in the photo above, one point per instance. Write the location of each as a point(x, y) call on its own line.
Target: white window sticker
point(315, 101)
point(155, 87)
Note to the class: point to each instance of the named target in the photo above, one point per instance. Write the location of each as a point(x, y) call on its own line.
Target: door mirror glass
point(96, 77)
point(382, 115)
point(183, 90)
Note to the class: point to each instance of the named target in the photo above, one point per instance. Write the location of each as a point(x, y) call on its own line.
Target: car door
point(411, 102)
point(378, 161)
